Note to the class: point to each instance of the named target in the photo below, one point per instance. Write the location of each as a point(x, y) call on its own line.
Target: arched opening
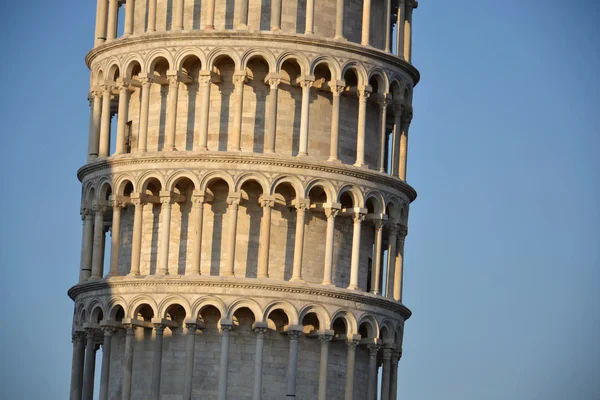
point(189, 106)
point(349, 123)
point(117, 313)
point(181, 214)
point(248, 229)
point(310, 324)
point(283, 228)
point(217, 192)
point(158, 95)
point(353, 12)
point(221, 104)
point(290, 98)
point(277, 320)
point(210, 316)
point(130, 139)
point(256, 92)
point(150, 226)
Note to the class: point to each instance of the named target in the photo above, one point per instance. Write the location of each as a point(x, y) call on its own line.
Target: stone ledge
point(243, 283)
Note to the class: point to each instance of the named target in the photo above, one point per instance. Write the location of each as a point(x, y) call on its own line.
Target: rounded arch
point(206, 301)
point(292, 55)
point(132, 63)
point(96, 313)
point(383, 82)
point(358, 68)
point(104, 189)
point(156, 55)
point(377, 200)
point(348, 318)
point(392, 209)
point(80, 314)
point(137, 303)
point(177, 176)
point(327, 186)
point(216, 175)
point(147, 178)
point(89, 194)
point(372, 327)
point(121, 184)
point(184, 54)
point(219, 53)
point(289, 310)
point(265, 55)
point(354, 192)
point(113, 70)
point(244, 303)
point(98, 77)
point(386, 331)
point(169, 301)
point(116, 306)
point(291, 180)
point(332, 64)
point(397, 89)
point(252, 177)
point(319, 311)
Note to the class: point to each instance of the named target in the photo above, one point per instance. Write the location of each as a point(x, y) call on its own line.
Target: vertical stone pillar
point(210, 15)
point(226, 327)
point(98, 252)
point(391, 260)
point(301, 207)
point(178, 17)
point(90, 365)
point(197, 226)
point(265, 237)
point(294, 335)
point(260, 329)
point(122, 115)
point(243, 16)
point(388, 26)
point(398, 272)
point(105, 372)
point(136, 242)
point(113, 23)
point(276, 15)
point(385, 378)
point(324, 338)
point(171, 123)
point(410, 4)
point(232, 212)
point(372, 380)
point(358, 217)
point(94, 135)
point(366, 23)
point(204, 82)
point(238, 81)
point(128, 361)
point(400, 29)
point(159, 330)
point(383, 102)
point(87, 244)
point(330, 212)
point(77, 365)
point(406, 118)
point(144, 110)
point(190, 343)
point(129, 14)
point(165, 233)
point(151, 16)
point(306, 84)
point(350, 361)
point(394, 375)
point(310, 17)
point(376, 270)
point(272, 115)
point(101, 11)
point(115, 237)
point(363, 95)
point(339, 19)
point(336, 90)
point(104, 144)
point(396, 147)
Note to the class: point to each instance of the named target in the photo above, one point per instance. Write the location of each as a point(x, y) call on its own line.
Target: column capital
point(379, 223)
point(337, 86)
point(267, 201)
point(373, 349)
point(86, 213)
point(387, 353)
point(384, 100)
point(326, 335)
point(332, 209)
point(273, 80)
point(130, 328)
point(226, 326)
point(301, 204)
point(166, 197)
point(353, 340)
point(205, 78)
point(108, 330)
point(239, 78)
point(137, 199)
point(122, 84)
point(159, 327)
point(78, 336)
point(260, 328)
point(234, 200)
point(395, 357)
point(95, 93)
point(305, 82)
point(359, 215)
point(294, 333)
point(397, 108)
point(99, 207)
point(117, 203)
point(407, 114)
point(364, 92)
point(106, 88)
point(198, 198)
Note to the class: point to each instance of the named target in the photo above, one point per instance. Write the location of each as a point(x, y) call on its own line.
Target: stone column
point(159, 330)
point(129, 14)
point(396, 147)
point(276, 15)
point(310, 17)
point(198, 215)
point(350, 361)
point(101, 11)
point(388, 26)
point(363, 95)
point(94, 135)
point(366, 23)
point(98, 252)
point(408, 30)
point(358, 217)
point(165, 233)
point(293, 363)
point(171, 123)
point(224, 361)
point(339, 20)
point(151, 16)
point(87, 244)
point(238, 81)
point(178, 17)
point(189, 361)
point(400, 29)
point(385, 378)
point(90, 365)
point(265, 237)
point(122, 116)
point(232, 212)
point(243, 16)
point(398, 272)
point(372, 380)
point(105, 372)
point(115, 237)
point(210, 15)
point(303, 144)
point(136, 242)
point(301, 207)
point(104, 144)
point(77, 365)
point(394, 375)
point(204, 82)
point(144, 109)
point(113, 15)
point(272, 116)
point(128, 361)
point(382, 130)
point(323, 365)
point(391, 259)
point(376, 270)
point(330, 212)
point(336, 91)
point(260, 329)
point(406, 118)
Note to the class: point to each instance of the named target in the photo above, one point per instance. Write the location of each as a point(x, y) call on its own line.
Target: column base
point(361, 165)
point(335, 160)
point(354, 287)
point(298, 280)
point(301, 154)
point(329, 284)
point(209, 28)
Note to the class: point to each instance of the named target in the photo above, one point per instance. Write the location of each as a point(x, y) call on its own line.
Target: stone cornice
point(262, 36)
point(238, 283)
point(250, 158)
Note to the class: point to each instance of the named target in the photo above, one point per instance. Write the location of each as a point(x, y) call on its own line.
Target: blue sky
point(502, 259)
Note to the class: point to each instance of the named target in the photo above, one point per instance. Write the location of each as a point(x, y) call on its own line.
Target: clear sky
point(502, 259)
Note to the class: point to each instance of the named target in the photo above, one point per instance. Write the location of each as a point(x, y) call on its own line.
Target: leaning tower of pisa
point(248, 158)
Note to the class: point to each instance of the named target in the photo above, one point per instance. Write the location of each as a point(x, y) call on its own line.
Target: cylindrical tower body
point(252, 183)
